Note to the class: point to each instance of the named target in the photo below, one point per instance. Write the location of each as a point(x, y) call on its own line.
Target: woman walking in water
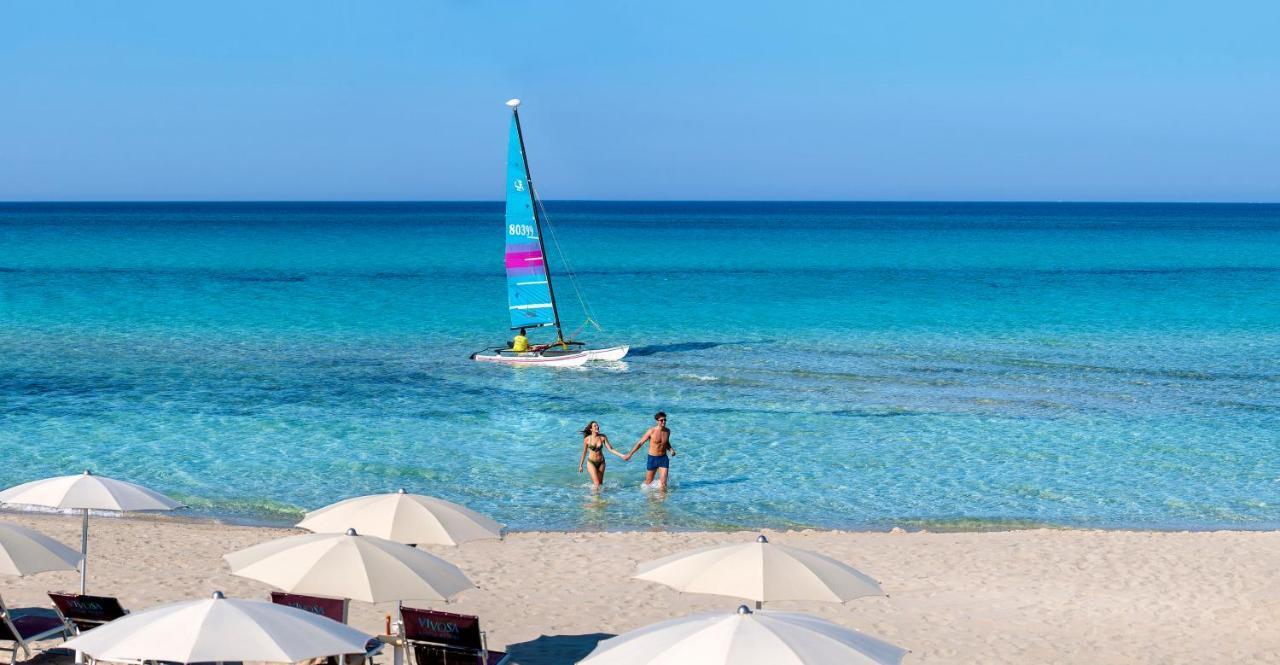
point(593, 446)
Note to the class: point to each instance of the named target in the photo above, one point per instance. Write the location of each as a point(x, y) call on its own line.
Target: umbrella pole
point(84, 564)
point(399, 652)
point(84, 550)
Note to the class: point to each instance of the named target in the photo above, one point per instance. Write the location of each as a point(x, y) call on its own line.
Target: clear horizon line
point(499, 201)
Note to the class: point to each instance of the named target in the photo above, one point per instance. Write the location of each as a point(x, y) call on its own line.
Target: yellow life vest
point(520, 344)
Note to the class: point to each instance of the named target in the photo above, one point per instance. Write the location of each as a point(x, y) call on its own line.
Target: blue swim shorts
point(657, 462)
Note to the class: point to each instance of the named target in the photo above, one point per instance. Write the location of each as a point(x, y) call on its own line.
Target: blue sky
point(391, 100)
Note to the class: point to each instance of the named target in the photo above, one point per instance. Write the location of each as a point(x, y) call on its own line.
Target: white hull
point(557, 360)
point(611, 353)
point(533, 359)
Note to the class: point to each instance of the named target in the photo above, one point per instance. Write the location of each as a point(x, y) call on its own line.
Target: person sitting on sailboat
point(521, 343)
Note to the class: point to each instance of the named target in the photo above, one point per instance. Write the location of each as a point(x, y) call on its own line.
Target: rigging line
point(569, 271)
point(573, 278)
point(579, 329)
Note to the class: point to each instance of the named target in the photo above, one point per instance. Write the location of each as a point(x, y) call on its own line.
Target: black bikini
point(597, 463)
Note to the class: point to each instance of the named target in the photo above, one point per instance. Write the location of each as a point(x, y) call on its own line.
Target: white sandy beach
point(1061, 596)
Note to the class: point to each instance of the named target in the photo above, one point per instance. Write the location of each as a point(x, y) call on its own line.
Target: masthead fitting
point(761, 539)
point(217, 595)
point(352, 532)
point(88, 472)
point(401, 491)
point(743, 609)
point(513, 103)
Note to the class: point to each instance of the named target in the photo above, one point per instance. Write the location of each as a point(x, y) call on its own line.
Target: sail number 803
point(520, 230)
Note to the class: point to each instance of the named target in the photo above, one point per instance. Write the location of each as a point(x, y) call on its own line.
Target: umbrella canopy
point(404, 518)
point(86, 492)
point(27, 552)
point(352, 566)
point(744, 638)
point(220, 630)
point(760, 571)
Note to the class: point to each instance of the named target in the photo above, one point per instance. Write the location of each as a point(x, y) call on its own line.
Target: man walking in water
point(659, 438)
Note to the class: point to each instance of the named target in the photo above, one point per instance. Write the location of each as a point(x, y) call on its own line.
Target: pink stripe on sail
point(523, 259)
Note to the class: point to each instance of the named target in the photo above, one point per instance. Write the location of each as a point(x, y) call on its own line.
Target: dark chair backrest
point(23, 625)
point(7, 633)
point(330, 608)
point(87, 612)
point(443, 638)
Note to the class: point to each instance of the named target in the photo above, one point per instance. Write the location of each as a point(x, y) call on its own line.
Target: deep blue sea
point(852, 365)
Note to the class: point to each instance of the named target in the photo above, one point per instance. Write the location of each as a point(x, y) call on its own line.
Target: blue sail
point(528, 284)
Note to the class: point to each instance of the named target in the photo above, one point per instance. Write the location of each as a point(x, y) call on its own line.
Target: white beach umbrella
point(405, 518)
point(27, 552)
point(220, 630)
point(760, 571)
point(86, 492)
point(744, 638)
point(347, 565)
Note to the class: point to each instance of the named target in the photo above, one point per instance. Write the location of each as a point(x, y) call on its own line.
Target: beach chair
point(23, 625)
point(81, 613)
point(330, 608)
point(441, 638)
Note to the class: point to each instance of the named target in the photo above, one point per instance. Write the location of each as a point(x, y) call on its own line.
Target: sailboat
point(531, 297)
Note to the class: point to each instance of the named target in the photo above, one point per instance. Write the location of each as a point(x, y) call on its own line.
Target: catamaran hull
point(611, 353)
point(534, 360)
point(557, 360)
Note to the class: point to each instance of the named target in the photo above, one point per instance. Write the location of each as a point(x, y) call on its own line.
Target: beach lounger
point(23, 625)
point(330, 608)
point(81, 613)
point(441, 638)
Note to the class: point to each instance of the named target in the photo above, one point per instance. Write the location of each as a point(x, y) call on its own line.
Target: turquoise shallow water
point(828, 365)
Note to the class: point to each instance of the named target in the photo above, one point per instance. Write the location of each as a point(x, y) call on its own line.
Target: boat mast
point(537, 222)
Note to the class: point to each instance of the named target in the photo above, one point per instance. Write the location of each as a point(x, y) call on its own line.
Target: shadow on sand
point(554, 649)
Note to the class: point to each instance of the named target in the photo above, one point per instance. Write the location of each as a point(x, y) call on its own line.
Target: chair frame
point(481, 654)
point(21, 642)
